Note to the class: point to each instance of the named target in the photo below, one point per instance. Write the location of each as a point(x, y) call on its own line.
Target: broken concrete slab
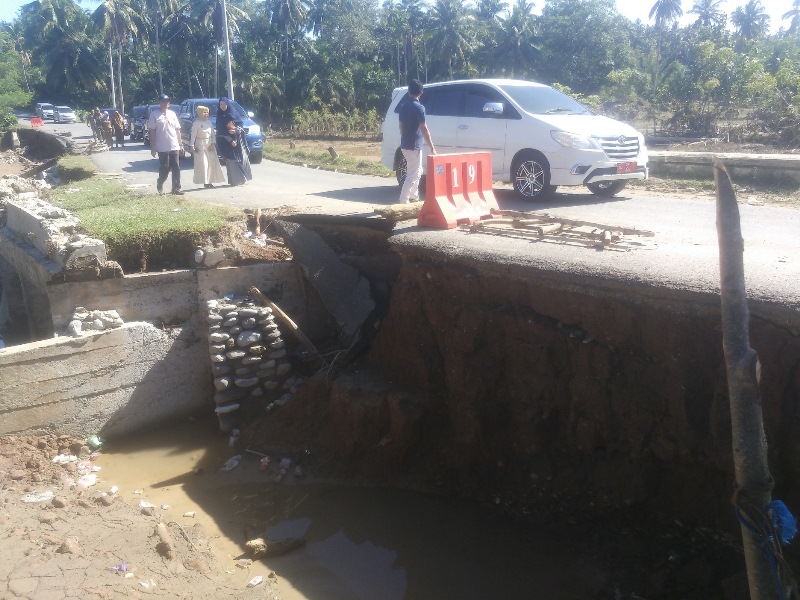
point(341, 288)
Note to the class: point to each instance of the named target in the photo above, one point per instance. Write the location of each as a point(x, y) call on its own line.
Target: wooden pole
point(753, 479)
point(256, 293)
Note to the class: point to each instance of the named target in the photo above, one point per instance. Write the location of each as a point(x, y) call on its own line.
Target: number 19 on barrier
point(470, 174)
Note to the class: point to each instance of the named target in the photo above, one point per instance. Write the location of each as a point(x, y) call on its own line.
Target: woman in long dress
point(232, 145)
point(207, 169)
point(118, 125)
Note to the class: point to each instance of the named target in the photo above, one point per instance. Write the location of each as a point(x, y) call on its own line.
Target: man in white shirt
point(165, 140)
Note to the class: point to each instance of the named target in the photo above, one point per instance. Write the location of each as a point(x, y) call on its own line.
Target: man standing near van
point(412, 131)
point(165, 140)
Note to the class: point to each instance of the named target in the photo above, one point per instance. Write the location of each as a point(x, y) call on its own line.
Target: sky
point(633, 9)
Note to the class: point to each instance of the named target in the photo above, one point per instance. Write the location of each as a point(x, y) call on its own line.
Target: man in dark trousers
point(165, 140)
point(412, 130)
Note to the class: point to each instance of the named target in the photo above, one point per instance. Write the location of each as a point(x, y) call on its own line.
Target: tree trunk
point(753, 479)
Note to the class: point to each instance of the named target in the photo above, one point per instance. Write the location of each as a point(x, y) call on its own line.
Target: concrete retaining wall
point(113, 382)
point(775, 168)
point(118, 381)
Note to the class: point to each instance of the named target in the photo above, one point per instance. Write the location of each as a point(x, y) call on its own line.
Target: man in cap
point(412, 131)
point(165, 140)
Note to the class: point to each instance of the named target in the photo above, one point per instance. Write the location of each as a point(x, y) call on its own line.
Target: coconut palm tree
point(666, 12)
point(516, 52)
point(751, 21)
point(117, 19)
point(708, 13)
point(451, 24)
point(794, 15)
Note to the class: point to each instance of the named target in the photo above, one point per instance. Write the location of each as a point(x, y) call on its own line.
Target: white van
point(539, 138)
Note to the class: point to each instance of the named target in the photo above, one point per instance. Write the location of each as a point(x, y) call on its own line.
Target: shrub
point(8, 119)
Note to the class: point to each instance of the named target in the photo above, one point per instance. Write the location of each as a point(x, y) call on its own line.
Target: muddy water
point(361, 543)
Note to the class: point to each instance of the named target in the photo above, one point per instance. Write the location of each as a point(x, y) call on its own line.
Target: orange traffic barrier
point(36, 122)
point(458, 190)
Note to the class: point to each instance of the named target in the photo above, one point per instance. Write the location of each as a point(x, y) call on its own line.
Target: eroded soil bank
point(598, 403)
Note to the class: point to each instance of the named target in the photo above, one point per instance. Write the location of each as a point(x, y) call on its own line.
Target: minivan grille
point(620, 147)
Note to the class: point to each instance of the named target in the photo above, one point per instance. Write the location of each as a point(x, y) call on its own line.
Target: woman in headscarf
point(232, 145)
point(119, 129)
point(207, 169)
point(108, 129)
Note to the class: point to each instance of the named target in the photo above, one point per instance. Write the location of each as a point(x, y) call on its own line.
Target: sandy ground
point(62, 539)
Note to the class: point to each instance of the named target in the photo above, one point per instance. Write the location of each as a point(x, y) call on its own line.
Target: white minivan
point(539, 138)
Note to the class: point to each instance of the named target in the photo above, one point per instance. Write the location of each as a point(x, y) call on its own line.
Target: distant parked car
point(252, 130)
point(146, 118)
point(138, 122)
point(64, 114)
point(44, 110)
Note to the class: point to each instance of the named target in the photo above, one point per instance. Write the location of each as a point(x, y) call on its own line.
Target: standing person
point(119, 129)
point(412, 131)
point(207, 169)
point(107, 128)
point(92, 123)
point(232, 145)
point(165, 140)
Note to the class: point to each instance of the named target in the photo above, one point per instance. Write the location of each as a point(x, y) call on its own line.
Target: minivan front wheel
point(606, 189)
point(532, 177)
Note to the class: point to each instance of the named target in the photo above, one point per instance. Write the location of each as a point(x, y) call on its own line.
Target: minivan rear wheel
point(606, 189)
point(532, 177)
point(400, 172)
point(401, 169)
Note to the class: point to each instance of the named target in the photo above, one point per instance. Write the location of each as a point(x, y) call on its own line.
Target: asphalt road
point(682, 254)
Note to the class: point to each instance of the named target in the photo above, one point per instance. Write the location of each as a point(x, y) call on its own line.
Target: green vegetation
point(324, 160)
point(328, 66)
point(137, 227)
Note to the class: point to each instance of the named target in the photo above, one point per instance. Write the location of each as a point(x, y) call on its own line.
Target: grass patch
point(75, 167)
point(323, 160)
point(142, 231)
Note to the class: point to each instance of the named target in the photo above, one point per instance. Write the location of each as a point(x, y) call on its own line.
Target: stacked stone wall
point(249, 360)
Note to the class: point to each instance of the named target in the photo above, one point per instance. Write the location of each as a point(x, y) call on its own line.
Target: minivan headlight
point(573, 140)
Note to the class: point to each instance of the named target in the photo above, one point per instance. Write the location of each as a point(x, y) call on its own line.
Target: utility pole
point(158, 52)
point(111, 71)
point(227, 51)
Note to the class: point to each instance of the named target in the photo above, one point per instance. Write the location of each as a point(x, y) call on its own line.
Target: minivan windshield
point(544, 100)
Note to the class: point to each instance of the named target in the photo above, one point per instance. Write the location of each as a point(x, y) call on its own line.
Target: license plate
point(626, 167)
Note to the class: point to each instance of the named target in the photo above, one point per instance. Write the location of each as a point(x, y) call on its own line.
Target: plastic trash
point(190, 514)
point(255, 581)
point(232, 462)
point(114, 489)
point(146, 504)
point(264, 464)
point(63, 459)
point(86, 481)
point(120, 568)
point(94, 442)
point(165, 506)
point(38, 496)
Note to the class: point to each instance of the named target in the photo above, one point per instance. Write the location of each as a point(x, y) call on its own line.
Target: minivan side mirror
point(493, 108)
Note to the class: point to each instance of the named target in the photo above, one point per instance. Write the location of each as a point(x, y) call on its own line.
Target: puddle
point(361, 543)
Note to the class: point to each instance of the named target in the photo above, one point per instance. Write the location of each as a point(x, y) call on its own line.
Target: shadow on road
point(508, 200)
point(379, 194)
